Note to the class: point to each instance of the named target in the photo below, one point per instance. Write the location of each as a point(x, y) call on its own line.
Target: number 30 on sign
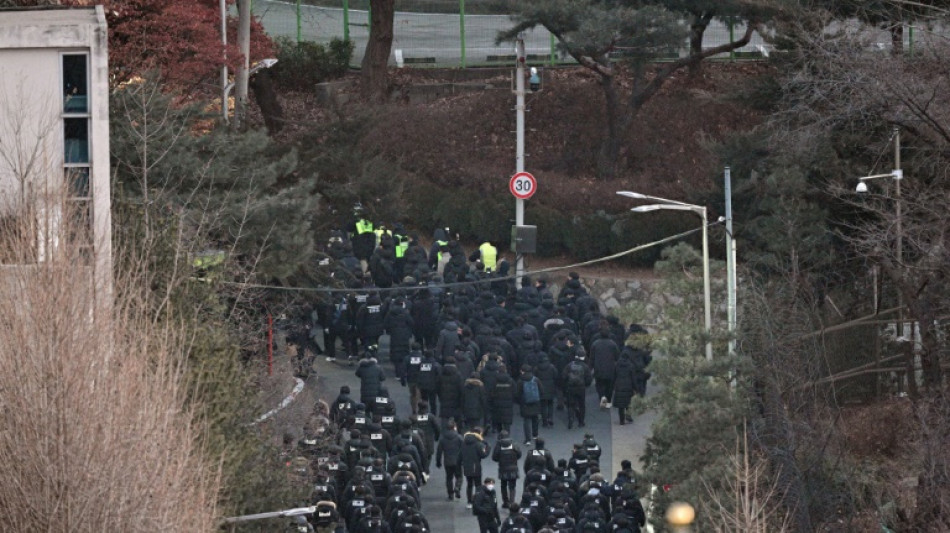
point(523, 185)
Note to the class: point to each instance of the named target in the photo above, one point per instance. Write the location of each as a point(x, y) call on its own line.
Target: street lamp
point(673, 205)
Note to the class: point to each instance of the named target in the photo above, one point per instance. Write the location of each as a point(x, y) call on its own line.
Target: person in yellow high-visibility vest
point(487, 254)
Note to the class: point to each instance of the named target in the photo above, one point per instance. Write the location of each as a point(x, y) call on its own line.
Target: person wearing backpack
point(576, 377)
point(529, 397)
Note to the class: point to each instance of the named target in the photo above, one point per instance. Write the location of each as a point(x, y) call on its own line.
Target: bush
point(490, 220)
point(552, 228)
point(588, 236)
point(629, 231)
point(302, 65)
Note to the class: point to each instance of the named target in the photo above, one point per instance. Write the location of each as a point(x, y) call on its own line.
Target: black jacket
point(506, 454)
point(398, 324)
point(547, 374)
point(474, 449)
point(502, 399)
point(449, 451)
point(371, 378)
point(625, 381)
point(450, 391)
point(474, 400)
point(603, 354)
point(428, 377)
point(485, 505)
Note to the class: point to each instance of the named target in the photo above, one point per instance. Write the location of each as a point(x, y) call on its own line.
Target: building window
point(76, 156)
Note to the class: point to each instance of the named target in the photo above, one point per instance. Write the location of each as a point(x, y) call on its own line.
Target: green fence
point(445, 33)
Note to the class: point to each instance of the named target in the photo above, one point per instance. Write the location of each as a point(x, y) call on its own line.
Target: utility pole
point(730, 265)
point(519, 142)
point(898, 175)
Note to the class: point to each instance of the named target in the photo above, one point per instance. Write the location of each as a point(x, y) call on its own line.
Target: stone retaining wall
point(617, 293)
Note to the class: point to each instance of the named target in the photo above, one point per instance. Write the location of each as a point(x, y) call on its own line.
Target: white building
point(54, 139)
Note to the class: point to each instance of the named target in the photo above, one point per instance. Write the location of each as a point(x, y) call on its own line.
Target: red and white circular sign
point(523, 185)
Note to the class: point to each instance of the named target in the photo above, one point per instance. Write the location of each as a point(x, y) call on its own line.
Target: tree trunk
point(266, 98)
point(242, 75)
point(607, 158)
point(375, 65)
point(777, 439)
point(696, 31)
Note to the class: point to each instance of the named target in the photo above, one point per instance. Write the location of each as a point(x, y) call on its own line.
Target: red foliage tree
point(179, 38)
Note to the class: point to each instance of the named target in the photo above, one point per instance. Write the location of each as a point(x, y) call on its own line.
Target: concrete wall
point(31, 123)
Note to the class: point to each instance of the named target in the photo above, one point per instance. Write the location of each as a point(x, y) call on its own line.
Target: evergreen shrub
point(302, 65)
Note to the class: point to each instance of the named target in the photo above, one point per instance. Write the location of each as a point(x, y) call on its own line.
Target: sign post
point(519, 145)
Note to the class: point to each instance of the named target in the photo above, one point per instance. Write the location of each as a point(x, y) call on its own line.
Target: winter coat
point(485, 505)
point(371, 379)
point(399, 324)
point(641, 359)
point(448, 340)
point(502, 400)
point(369, 318)
point(381, 267)
point(424, 312)
point(528, 409)
point(449, 450)
point(584, 369)
point(506, 454)
point(474, 449)
point(603, 354)
point(474, 400)
point(450, 391)
point(428, 377)
point(547, 375)
point(624, 381)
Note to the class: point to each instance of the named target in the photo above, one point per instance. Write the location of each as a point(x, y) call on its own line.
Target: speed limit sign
point(523, 185)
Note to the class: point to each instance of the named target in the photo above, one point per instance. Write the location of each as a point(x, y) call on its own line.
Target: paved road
point(618, 442)
point(433, 36)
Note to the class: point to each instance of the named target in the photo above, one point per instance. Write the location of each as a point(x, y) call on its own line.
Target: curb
point(283, 403)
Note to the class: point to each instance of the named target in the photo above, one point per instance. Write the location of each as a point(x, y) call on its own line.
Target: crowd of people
point(470, 346)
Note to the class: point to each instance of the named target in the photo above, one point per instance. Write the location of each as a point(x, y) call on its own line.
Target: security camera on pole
point(522, 185)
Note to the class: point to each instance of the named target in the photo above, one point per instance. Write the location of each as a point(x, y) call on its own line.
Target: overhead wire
point(332, 290)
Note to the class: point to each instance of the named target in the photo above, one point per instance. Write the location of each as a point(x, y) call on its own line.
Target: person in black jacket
point(516, 522)
point(603, 353)
point(428, 381)
point(398, 324)
point(450, 391)
point(474, 449)
point(449, 452)
point(530, 406)
point(369, 321)
point(371, 379)
point(474, 402)
point(547, 374)
point(485, 507)
point(624, 384)
point(576, 377)
point(506, 454)
point(502, 401)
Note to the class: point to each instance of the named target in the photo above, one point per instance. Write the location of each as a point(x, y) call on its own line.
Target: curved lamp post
point(673, 205)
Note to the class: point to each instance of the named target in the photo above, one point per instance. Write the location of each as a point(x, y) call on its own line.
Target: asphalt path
point(444, 515)
point(435, 36)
